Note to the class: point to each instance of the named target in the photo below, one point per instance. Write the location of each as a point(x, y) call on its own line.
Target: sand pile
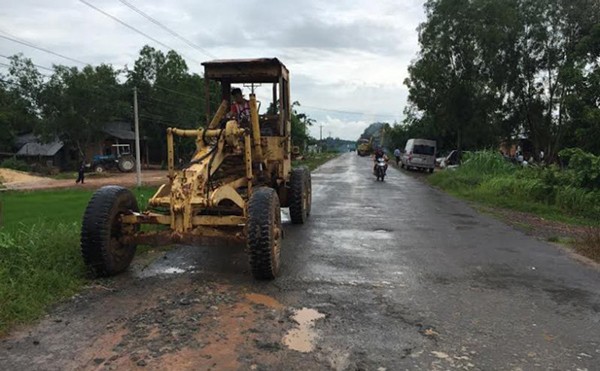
point(8, 176)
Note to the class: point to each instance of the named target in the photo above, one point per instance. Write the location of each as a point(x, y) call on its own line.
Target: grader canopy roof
point(261, 70)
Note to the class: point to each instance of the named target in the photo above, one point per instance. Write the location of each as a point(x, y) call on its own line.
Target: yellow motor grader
point(233, 188)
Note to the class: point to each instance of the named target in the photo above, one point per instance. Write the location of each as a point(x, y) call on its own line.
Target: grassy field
point(39, 250)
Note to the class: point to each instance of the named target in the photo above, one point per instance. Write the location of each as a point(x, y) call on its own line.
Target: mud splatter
point(264, 300)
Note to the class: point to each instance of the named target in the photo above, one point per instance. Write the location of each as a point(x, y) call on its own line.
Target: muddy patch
point(302, 339)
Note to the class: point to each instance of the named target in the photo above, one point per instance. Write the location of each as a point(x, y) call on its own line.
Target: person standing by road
point(80, 173)
point(397, 155)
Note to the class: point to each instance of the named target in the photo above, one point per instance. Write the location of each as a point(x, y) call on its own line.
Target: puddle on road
point(302, 338)
point(358, 234)
point(158, 270)
point(264, 300)
point(285, 216)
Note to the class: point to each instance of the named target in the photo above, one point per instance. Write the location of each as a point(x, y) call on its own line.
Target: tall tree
point(78, 103)
point(19, 99)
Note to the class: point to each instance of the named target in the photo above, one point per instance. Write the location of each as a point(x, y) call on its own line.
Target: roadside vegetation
point(314, 160)
point(569, 195)
point(39, 250)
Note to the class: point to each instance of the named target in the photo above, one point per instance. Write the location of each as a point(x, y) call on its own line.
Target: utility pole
point(321, 135)
point(138, 163)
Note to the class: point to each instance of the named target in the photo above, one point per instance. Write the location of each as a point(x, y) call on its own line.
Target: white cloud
point(343, 56)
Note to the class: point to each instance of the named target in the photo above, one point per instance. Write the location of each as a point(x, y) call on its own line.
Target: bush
point(584, 166)
point(487, 177)
point(15, 164)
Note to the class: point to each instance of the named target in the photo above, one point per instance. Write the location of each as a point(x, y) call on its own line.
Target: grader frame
point(237, 180)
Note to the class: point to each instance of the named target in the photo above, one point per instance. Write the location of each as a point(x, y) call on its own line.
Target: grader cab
point(233, 188)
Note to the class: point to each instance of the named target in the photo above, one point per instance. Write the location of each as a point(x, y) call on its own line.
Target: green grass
point(314, 160)
point(40, 261)
point(488, 179)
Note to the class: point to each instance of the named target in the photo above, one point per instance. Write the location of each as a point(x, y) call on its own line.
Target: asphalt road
point(397, 275)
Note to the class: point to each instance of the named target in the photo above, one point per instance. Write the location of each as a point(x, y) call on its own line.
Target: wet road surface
point(384, 276)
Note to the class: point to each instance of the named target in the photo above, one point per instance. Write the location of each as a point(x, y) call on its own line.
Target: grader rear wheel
point(101, 229)
point(264, 233)
point(300, 195)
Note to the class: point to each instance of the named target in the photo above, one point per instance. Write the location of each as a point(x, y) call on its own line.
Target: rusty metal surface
point(246, 70)
point(195, 237)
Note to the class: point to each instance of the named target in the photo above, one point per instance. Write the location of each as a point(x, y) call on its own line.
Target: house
point(34, 151)
point(30, 148)
point(116, 132)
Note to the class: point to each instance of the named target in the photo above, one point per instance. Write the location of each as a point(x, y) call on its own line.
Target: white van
point(419, 154)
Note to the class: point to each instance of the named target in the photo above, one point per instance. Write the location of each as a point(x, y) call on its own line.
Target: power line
point(176, 92)
point(128, 25)
point(178, 107)
point(37, 65)
point(26, 43)
point(349, 112)
point(159, 24)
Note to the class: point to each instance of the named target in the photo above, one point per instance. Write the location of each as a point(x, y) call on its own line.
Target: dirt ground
point(9, 177)
point(17, 180)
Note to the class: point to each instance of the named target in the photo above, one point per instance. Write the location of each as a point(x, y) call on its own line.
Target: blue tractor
point(120, 158)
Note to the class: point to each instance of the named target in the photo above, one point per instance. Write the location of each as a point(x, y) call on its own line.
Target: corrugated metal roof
point(40, 149)
point(21, 140)
point(121, 130)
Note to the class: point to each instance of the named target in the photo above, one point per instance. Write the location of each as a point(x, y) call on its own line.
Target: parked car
point(419, 154)
point(453, 159)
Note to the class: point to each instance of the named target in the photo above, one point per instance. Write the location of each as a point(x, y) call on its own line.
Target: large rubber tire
point(126, 164)
point(264, 233)
point(300, 195)
point(99, 169)
point(101, 229)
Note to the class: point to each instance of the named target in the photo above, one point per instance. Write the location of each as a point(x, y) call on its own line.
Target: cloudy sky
point(348, 59)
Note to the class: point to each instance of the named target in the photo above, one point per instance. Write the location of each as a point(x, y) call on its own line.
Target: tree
point(19, 99)
point(76, 104)
point(491, 69)
point(169, 95)
point(300, 124)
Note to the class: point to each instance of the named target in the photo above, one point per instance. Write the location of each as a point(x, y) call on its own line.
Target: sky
point(347, 59)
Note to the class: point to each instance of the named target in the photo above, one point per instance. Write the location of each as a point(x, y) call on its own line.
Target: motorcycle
point(380, 166)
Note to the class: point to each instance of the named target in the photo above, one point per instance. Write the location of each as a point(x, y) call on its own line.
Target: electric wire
point(37, 65)
point(130, 27)
point(161, 25)
point(26, 43)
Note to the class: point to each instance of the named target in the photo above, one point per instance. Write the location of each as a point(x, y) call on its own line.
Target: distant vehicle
point(121, 158)
point(364, 147)
point(419, 154)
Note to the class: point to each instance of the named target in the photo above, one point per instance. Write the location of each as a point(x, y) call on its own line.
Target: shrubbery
point(15, 164)
point(487, 176)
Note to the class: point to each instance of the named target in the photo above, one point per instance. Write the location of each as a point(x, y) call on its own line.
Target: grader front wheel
point(264, 233)
point(300, 195)
point(101, 229)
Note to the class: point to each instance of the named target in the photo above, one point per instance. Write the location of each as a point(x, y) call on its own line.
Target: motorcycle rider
point(380, 155)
